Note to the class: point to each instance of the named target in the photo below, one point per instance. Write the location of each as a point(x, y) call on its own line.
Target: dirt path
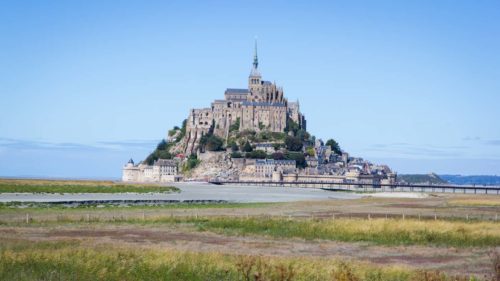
point(452, 260)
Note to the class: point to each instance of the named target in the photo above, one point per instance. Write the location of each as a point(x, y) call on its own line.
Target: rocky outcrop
point(215, 165)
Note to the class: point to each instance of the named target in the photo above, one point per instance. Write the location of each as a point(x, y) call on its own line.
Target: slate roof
point(165, 162)
point(233, 91)
point(274, 162)
point(254, 103)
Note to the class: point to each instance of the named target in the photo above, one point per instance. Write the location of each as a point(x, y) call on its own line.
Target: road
point(194, 191)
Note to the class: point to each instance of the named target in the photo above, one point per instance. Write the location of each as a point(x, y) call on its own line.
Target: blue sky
point(85, 85)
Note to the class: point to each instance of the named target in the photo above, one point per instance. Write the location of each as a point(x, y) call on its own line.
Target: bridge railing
point(371, 187)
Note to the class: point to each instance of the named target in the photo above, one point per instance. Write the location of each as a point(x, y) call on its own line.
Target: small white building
point(162, 170)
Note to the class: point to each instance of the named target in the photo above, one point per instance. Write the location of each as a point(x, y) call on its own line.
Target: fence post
point(27, 218)
point(418, 216)
point(403, 216)
point(435, 216)
point(467, 216)
point(143, 216)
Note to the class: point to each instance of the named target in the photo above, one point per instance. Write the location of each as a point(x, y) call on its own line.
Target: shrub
point(310, 151)
point(211, 142)
point(162, 145)
point(278, 156)
point(334, 145)
point(293, 143)
point(236, 154)
point(235, 126)
point(234, 146)
point(191, 162)
point(247, 147)
point(256, 154)
point(298, 157)
point(291, 126)
point(214, 143)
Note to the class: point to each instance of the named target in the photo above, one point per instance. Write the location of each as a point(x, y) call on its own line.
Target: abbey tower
point(262, 106)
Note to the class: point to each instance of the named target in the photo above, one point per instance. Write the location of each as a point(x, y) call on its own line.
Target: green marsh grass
point(378, 231)
point(24, 260)
point(47, 186)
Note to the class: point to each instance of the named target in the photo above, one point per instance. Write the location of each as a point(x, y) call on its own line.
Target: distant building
point(266, 147)
point(162, 170)
point(266, 167)
point(261, 106)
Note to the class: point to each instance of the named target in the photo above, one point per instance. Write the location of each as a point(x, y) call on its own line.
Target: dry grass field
point(441, 237)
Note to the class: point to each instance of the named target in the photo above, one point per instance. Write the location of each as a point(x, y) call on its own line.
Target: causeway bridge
point(367, 187)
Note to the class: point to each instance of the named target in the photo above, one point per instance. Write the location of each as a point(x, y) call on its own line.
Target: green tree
point(298, 157)
point(234, 146)
point(191, 162)
point(278, 156)
point(256, 154)
point(310, 151)
point(293, 143)
point(235, 126)
point(277, 146)
point(162, 145)
point(334, 145)
point(164, 154)
point(291, 126)
point(183, 130)
point(247, 147)
point(214, 143)
point(303, 135)
point(236, 154)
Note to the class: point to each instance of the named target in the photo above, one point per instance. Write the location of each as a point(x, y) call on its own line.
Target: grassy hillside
point(421, 179)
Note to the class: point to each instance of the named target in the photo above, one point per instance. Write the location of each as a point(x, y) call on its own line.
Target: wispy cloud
point(469, 138)
point(478, 140)
point(416, 150)
point(492, 142)
point(9, 143)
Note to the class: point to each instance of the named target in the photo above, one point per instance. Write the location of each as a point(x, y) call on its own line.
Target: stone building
point(264, 168)
point(162, 170)
point(261, 106)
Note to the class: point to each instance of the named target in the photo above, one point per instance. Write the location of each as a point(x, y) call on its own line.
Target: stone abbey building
point(261, 106)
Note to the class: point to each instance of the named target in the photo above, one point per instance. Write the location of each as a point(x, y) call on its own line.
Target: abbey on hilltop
point(253, 134)
point(261, 106)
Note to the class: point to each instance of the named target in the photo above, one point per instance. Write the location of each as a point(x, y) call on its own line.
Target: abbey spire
point(255, 74)
point(255, 58)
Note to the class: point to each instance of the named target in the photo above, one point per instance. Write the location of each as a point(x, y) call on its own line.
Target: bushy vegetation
point(212, 143)
point(334, 145)
point(247, 147)
point(235, 126)
point(310, 151)
point(190, 163)
point(23, 260)
point(291, 126)
point(299, 158)
point(293, 143)
point(256, 154)
point(162, 151)
point(236, 154)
